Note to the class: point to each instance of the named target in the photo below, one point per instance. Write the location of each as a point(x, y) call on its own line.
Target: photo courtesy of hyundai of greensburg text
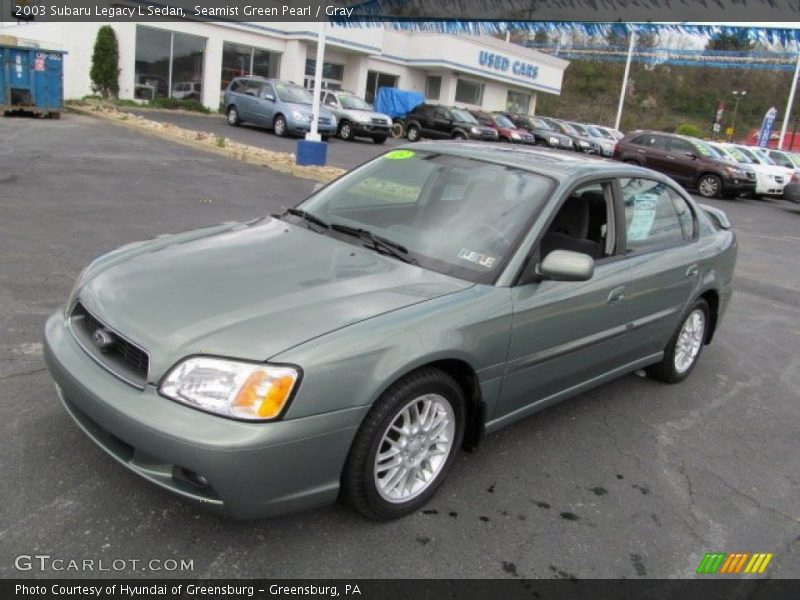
point(390, 299)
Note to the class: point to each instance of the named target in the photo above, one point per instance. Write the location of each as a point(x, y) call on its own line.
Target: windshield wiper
point(307, 216)
point(376, 242)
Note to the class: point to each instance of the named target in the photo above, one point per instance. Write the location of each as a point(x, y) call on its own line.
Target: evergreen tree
point(105, 63)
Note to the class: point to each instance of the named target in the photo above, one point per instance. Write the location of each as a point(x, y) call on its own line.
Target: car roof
point(560, 165)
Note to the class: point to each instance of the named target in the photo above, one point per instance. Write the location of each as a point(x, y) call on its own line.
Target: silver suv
point(356, 117)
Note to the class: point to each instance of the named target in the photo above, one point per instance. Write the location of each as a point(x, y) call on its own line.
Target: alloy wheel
point(690, 340)
point(414, 448)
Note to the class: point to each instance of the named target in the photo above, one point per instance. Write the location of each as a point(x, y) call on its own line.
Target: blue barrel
point(31, 80)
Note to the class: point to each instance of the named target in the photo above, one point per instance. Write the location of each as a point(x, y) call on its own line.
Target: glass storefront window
point(517, 102)
point(469, 92)
point(153, 49)
point(239, 60)
point(375, 80)
point(433, 87)
point(168, 64)
point(332, 75)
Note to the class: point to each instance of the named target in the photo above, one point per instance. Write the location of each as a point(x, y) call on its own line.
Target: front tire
point(684, 347)
point(412, 133)
point(709, 186)
point(233, 116)
point(405, 446)
point(279, 126)
point(379, 139)
point(459, 136)
point(345, 131)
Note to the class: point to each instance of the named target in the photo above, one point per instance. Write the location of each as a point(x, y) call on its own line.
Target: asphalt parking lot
point(633, 479)
point(340, 153)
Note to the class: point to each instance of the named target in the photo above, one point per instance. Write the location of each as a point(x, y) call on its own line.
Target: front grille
point(120, 356)
point(380, 122)
point(778, 179)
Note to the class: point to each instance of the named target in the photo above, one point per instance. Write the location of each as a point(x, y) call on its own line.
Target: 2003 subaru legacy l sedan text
point(352, 345)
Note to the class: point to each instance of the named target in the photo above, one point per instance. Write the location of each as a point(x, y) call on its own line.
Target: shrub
point(690, 130)
point(105, 63)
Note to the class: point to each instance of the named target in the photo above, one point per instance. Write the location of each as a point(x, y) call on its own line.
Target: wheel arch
point(467, 378)
point(708, 172)
point(712, 298)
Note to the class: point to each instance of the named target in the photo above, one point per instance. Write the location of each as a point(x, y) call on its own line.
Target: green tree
point(105, 63)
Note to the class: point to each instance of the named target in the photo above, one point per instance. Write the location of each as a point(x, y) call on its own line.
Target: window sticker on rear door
point(644, 213)
point(483, 260)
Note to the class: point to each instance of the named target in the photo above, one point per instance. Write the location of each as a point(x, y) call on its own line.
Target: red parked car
point(506, 130)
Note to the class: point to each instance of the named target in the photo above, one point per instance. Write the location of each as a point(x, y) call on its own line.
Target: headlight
point(298, 116)
point(583, 143)
point(250, 391)
point(475, 130)
point(79, 281)
point(554, 141)
point(734, 172)
point(514, 135)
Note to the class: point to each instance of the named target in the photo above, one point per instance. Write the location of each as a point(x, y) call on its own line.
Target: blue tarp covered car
point(397, 103)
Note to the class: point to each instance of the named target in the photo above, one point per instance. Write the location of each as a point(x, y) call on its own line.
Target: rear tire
point(397, 130)
point(684, 347)
point(405, 442)
point(459, 136)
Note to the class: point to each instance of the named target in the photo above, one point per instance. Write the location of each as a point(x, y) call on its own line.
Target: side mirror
point(269, 97)
point(692, 155)
point(565, 265)
point(251, 93)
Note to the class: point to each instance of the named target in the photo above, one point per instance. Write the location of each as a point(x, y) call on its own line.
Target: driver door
point(566, 333)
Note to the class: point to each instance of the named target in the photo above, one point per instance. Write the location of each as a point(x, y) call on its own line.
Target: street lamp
point(738, 94)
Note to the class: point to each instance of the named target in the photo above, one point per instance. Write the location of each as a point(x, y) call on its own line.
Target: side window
point(584, 223)
point(680, 146)
point(236, 85)
point(655, 216)
point(442, 113)
point(330, 100)
point(267, 90)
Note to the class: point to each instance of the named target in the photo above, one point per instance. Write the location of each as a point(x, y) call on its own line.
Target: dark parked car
point(581, 143)
point(445, 122)
point(505, 128)
point(688, 161)
point(544, 134)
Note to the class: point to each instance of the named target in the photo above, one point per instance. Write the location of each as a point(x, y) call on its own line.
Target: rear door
point(441, 123)
point(663, 260)
point(263, 106)
point(682, 166)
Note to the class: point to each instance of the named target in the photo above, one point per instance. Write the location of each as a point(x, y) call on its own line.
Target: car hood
point(549, 133)
point(306, 109)
point(355, 114)
point(247, 290)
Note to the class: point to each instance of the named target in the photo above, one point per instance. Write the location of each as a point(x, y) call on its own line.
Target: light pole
point(738, 95)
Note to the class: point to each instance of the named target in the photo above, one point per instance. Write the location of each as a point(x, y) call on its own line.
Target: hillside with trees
point(665, 96)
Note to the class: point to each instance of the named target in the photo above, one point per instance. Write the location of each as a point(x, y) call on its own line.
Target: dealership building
point(198, 59)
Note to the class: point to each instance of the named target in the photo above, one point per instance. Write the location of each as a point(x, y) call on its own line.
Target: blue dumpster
point(31, 79)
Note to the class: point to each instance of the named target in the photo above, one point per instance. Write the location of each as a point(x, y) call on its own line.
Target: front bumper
point(298, 127)
point(252, 469)
point(369, 129)
point(738, 186)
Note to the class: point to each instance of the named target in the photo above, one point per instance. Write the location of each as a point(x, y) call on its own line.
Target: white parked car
point(770, 178)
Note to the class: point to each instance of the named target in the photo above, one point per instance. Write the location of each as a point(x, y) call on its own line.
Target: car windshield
point(541, 124)
point(594, 131)
point(463, 116)
point(458, 216)
point(293, 93)
point(736, 154)
point(354, 103)
point(763, 156)
point(504, 121)
point(567, 128)
point(704, 149)
point(579, 129)
point(746, 152)
point(603, 133)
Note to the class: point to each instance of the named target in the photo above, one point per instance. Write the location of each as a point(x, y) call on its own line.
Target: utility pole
point(625, 79)
point(789, 103)
point(738, 95)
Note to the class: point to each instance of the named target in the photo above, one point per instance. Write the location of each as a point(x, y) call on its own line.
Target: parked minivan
point(282, 106)
point(688, 161)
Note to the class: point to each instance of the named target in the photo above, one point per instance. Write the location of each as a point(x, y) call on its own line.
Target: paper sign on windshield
point(644, 213)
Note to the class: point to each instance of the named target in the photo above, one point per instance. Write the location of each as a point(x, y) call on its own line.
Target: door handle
point(691, 271)
point(616, 295)
point(669, 156)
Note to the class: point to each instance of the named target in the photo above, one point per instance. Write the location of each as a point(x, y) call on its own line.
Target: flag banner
point(766, 127)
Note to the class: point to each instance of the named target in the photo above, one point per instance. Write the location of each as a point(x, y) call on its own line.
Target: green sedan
point(352, 346)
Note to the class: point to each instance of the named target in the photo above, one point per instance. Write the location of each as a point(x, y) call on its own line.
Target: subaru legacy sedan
point(351, 346)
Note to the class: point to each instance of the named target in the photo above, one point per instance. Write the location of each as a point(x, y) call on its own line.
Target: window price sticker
point(644, 213)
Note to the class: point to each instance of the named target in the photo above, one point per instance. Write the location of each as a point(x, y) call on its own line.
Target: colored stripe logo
point(734, 562)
